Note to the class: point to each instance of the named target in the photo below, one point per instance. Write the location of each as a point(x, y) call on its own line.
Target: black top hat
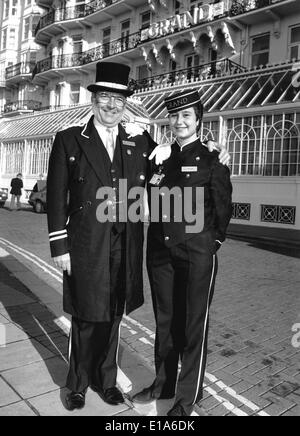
point(112, 77)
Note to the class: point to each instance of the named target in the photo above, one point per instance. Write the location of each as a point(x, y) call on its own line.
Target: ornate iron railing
point(201, 72)
point(242, 6)
point(18, 69)
point(73, 12)
point(24, 105)
point(95, 54)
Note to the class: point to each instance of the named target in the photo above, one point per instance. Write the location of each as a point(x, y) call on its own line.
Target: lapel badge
point(129, 143)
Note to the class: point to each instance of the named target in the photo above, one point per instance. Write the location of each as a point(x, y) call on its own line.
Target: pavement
point(34, 336)
point(253, 363)
point(34, 351)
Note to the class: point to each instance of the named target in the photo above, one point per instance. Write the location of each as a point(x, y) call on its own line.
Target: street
point(253, 364)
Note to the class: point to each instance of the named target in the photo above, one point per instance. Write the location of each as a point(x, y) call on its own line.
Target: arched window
point(14, 156)
point(282, 149)
point(39, 153)
point(243, 146)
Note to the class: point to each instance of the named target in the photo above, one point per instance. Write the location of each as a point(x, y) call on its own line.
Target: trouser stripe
point(70, 343)
point(205, 328)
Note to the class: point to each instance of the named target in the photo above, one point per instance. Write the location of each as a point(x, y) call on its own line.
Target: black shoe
point(177, 410)
point(147, 396)
point(111, 396)
point(75, 400)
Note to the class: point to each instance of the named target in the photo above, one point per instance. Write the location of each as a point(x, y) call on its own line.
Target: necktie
point(110, 143)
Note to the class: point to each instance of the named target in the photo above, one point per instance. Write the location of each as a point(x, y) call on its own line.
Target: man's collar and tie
point(108, 136)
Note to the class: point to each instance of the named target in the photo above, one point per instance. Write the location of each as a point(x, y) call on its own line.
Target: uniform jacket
point(76, 172)
point(194, 167)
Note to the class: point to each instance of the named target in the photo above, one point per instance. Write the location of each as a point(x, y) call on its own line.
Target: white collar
point(103, 129)
point(192, 139)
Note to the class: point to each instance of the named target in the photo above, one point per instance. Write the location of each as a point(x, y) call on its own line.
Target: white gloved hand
point(161, 153)
point(224, 156)
point(63, 262)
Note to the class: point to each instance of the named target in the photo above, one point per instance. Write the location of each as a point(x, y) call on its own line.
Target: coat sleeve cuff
point(59, 243)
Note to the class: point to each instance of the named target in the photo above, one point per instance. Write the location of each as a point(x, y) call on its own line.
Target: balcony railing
point(242, 6)
point(202, 72)
point(73, 12)
point(95, 54)
point(16, 106)
point(19, 69)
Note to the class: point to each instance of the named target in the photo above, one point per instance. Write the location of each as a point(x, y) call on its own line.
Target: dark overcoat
point(76, 172)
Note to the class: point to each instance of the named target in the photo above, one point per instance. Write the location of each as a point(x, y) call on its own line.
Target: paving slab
point(10, 297)
point(4, 320)
point(38, 378)
point(52, 404)
point(17, 409)
point(14, 334)
point(7, 394)
point(22, 353)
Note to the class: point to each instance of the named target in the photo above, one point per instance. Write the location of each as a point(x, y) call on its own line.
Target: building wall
point(263, 198)
point(21, 50)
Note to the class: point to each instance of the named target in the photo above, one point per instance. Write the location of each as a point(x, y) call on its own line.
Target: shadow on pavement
point(32, 337)
point(272, 246)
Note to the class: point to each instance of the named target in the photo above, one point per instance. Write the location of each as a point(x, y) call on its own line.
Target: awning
point(46, 124)
point(255, 88)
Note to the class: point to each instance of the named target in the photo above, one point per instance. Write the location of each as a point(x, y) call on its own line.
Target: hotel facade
point(242, 55)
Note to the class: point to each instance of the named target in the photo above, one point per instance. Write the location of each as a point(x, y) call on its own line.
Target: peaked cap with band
point(183, 100)
point(112, 77)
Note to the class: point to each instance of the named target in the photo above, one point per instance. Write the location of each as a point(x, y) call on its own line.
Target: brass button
point(142, 177)
point(167, 238)
point(72, 159)
point(197, 158)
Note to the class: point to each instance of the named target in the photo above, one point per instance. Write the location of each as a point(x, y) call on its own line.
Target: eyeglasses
point(103, 97)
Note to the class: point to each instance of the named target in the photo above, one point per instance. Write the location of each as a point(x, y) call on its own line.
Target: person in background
point(16, 191)
point(36, 186)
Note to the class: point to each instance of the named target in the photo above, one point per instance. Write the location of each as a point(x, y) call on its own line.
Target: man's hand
point(161, 153)
point(63, 262)
point(224, 156)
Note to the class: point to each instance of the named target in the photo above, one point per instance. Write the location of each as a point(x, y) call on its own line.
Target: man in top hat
point(181, 255)
point(101, 259)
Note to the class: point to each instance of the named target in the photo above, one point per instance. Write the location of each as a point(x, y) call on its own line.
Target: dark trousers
point(94, 346)
point(182, 281)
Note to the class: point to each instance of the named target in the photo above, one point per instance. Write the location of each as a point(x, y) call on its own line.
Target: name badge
point(129, 143)
point(189, 169)
point(157, 179)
